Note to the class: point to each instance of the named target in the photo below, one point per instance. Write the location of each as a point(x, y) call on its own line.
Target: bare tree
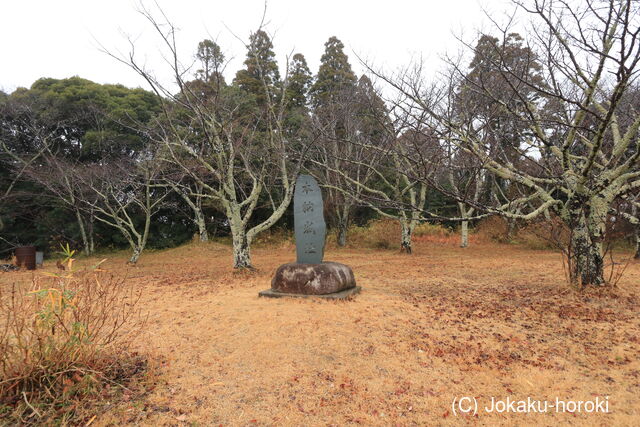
point(465, 177)
point(125, 190)
point(191, 191)
point(240, 143)
point(65, 181)
point(386, 180)
point(628, 207)
point(338, 159)
point(577, 158)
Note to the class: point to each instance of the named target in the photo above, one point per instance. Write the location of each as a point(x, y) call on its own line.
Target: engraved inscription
point(307, 207)
point(310, 228)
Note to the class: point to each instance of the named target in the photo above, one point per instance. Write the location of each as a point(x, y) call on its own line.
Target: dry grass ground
point(487, 321)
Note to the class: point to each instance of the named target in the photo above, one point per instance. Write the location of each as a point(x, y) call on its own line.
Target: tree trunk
point(141, 239)
point(587, 265)
point(92, 244)
point(637, 255)
point(85, 241)
point(405, 242)
point(196, 207)
point(202, 226)
point(586, 261)
point(137, 250)
point(511, 229)
point(342, 216)
point(464, 225)
point(342, 234)
point(464, 234)
point(241, 250)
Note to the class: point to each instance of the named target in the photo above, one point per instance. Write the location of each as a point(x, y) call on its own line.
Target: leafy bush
point(62, 340)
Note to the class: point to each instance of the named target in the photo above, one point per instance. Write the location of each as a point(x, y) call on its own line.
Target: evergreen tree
point(297, 120)
point(299, 82)
point(507, 72)
point(333, 98)
point(211, 59)
point(502, 80)
point(335, 74)
point(260, 69)
point(372, 116)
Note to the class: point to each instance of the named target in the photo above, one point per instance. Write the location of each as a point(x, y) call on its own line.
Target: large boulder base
point(313, 279)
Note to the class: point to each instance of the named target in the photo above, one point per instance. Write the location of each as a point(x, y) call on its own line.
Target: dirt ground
point(489, 321)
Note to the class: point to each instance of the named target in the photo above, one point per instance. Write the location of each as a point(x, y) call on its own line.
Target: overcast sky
point(61, 38)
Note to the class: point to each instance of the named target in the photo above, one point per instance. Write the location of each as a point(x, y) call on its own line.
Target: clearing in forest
point(487, 321)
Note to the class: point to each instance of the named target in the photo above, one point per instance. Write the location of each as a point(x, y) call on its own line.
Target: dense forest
point(532, 128)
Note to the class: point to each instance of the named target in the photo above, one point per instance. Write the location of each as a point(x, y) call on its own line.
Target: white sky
point(59, 38)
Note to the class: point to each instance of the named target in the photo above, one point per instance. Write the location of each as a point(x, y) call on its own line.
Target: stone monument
point(309, 275)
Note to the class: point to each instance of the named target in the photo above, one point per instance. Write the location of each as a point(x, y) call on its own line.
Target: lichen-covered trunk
point(240, 239)
point(405, 239)
point(511, 229)
point(588, 261)
point(342, 216)
point(202, 226)
point(92, 243)
point(140, 241)
point(587, 234)
point(637, 255)
point(135, 255)
point(342, 235)
point(464, 234)
point(86, 247)
point(241, 250)
point(464, 224)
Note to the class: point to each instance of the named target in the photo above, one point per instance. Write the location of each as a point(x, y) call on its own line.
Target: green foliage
point(261, 76)
point(502, 79)
point(92, 120)
point(85, 123)
point(335, 74)
point(371, 113)
point(67, 252)
point(212, 60)
point(299, 82)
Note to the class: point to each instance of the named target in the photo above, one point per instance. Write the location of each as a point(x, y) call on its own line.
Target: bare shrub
point(553, 234)
point(493, 228)
point(544, 234)
point(377, 234)
point(385, 234)
point(280, 237)
point(63, 339)
point(539, 234)
point(435, 233)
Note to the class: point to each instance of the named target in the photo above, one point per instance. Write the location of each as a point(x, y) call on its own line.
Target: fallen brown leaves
point(491, 320)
